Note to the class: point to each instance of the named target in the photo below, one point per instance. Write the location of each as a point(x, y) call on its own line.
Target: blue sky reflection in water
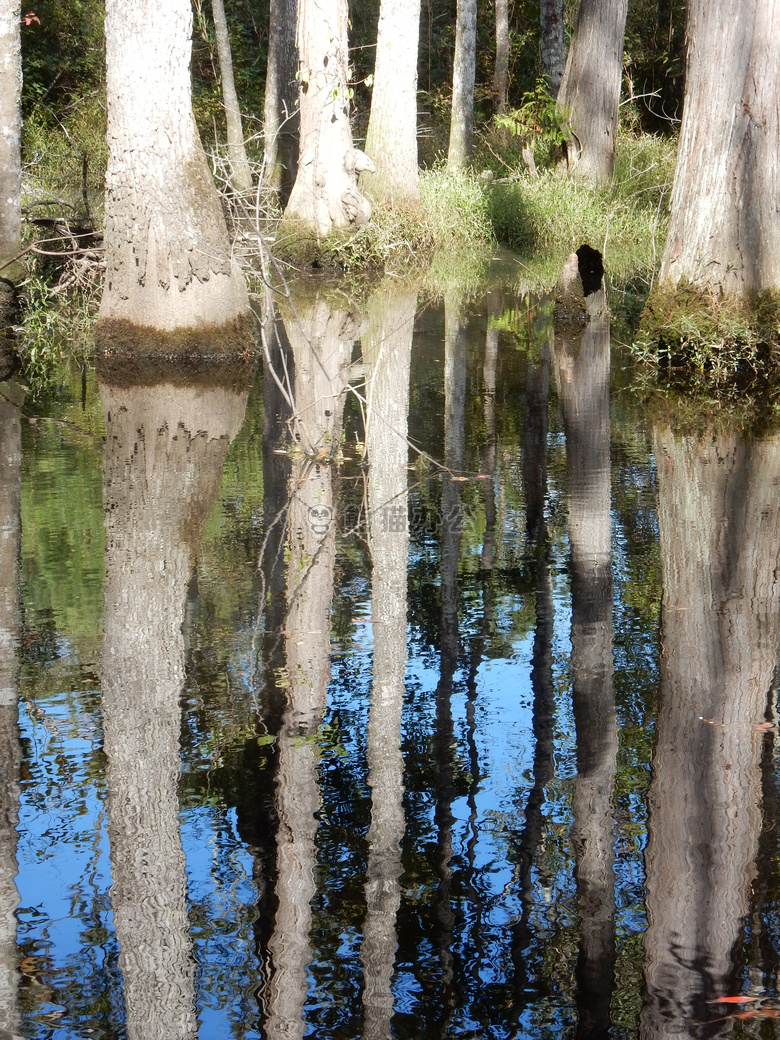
point(409, 806)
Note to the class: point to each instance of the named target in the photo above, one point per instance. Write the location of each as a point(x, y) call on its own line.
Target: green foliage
point(457, 207)
point(63, 54)
point(538, 116)
point(654, 62)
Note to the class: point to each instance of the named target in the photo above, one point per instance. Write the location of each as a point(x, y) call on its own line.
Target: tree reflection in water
point(164, 452)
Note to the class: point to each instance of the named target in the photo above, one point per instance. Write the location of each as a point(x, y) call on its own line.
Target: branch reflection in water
point(164, 453)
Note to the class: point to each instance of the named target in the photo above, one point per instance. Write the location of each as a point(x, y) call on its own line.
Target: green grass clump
point(457, 207)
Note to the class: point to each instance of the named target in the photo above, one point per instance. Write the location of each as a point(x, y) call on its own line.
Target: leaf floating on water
point(733, 1000)
point(764, 727)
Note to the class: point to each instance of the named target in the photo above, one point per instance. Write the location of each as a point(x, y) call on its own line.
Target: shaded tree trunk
point(719, 518)
point(501, 71)
point(463, 75)
point(391, 140)
point(10, 749)
point(164, 453)
point(167, 250)
point(10, 131)
point(240, 176)
point(387, 348)
point(553, 43)
point(590, 88)
point(325, 195)
point(281, 95)
point(724, 232)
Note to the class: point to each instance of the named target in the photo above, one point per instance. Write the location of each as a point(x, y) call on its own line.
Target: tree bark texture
point(719, 518)
point(387, 351)
point(590, 88)
point(167, 250)
point(501, 70)
point(10, 749)
point(10, 129)
point(583, 370)
point(391, 140)
point(325, 194)
point(463, 76)
point(281, 96)
point(164, 454)
point(724, 231)
point(240, 176)
point(552, 43)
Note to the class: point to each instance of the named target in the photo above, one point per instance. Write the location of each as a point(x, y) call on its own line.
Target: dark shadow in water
point(163, 459)
point(387, 356)
point(719, 517)
point(10, 750)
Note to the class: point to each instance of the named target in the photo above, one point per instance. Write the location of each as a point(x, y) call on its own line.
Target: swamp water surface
point(440, 707)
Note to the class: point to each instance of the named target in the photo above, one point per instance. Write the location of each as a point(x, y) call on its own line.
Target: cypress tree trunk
point(590, 89)
point(281, 94)
point(325, 194)
point(463, 75)
point(501, 71)
point(167, 249)
point(10, 143)
point(553, 44)
point(724, 231)
point(241, 177)
point(391, 140)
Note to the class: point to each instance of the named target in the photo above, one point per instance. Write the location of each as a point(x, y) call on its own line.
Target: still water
point(419, 684)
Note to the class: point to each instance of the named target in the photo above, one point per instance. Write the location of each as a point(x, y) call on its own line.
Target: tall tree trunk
point(281, 96)
point(391, 140)
point(590, 89)
point(10, 749)
point(387, 351)
point(240, 176)
point(167, 250)
point(164, 453)
point(325, 194)
point(719, 519)
point(10, 130)
point(724, 232)
point(463, 76)
point(501, 71)
point(553, 43)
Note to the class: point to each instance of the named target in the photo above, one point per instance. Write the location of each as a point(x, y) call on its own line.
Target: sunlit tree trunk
point(724, 231)
point(391, 140)
point(583, 372)
point(281, 96)
point(164, 453)
point(719, 521)
point(590, 88)
point(325, 194)
point(10, 750)
point(167, 250)
point(463, 76)
point(387, 348)
point(240, 175)
point(553, 43)
point(10, 130)
point(501, 70)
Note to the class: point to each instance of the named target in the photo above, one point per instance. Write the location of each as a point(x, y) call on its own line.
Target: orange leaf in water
point(733, 1000)
point(764, 727)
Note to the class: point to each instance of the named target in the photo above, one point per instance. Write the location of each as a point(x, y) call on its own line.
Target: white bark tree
point(325, 195)
point(463, 76)
point(724, 231)
point(501, 70)
point(168, 256)
point(240, 174)
point(590, 88)
point(391, 140)
point(10, 130)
